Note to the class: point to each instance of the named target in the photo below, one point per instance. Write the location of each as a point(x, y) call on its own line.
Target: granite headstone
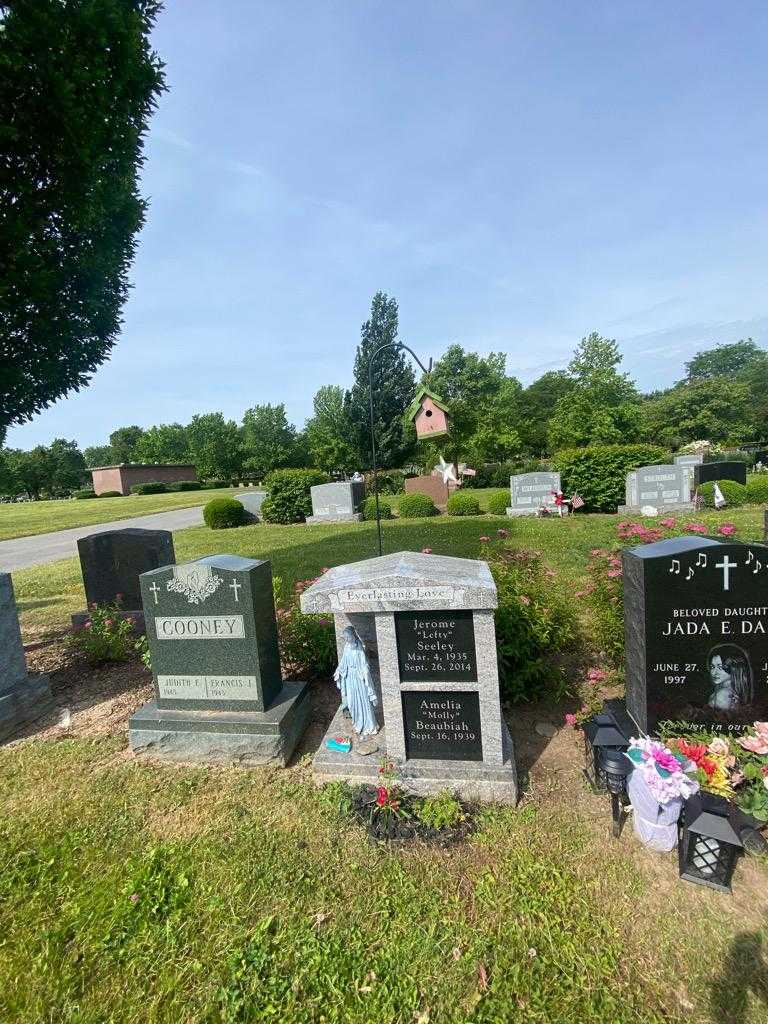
point(219, 694)
point(530, 492)
point(696, 630)
point(433, 486)
point(252, 502)
point(23, 697)
point(111, 563)
point(339, 502)
point(708, 471)
point(661, 488)
point(427, 622)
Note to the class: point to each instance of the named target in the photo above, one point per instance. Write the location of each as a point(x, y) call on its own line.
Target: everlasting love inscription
point(435, 646)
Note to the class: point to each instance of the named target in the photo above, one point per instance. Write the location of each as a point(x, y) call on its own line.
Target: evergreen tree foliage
point(268, 440)
point(330, 434)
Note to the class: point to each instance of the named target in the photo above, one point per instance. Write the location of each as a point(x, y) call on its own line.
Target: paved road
point(48, 547)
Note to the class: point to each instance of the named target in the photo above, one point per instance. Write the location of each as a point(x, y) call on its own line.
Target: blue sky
point(516, 174)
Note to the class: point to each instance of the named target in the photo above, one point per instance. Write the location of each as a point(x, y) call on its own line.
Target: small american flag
point(577, 502)
point(698, 501)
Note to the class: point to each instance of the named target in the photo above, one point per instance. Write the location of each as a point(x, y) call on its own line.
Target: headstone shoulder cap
point(672, 546)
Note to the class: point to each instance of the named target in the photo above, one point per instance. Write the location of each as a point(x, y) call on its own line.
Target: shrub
point(224, 513)
point(598, 472)
point(369, 508)
point(390, 482)
point(150, 487)
point(441, 811)
point(735, 494)
point(461, 504)
point(110, 494)
point(307, 642)
point(214, 485)
point(729, 455)
point(185, 485)
point(757, 489)
point(534, 623)
point(108, 635)
point(416, 506)
point(87, 492)
point(498, 503)
point(289, 499)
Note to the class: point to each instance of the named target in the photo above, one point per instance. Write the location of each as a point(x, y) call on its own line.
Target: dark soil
point(403, 826)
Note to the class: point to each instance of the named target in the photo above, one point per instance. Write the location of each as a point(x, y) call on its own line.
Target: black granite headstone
point(212, 634)
point(707, 471)
point(696, 629)
point(112, 562)
point(434, 647)
point(442, 725)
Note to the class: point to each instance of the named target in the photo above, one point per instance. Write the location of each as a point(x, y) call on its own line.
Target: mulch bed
point(404, 826)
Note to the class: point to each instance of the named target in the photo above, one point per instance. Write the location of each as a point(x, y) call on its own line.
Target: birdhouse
point(429, 414)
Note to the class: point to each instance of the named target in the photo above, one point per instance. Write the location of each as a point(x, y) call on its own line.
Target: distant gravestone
point(111, 563)
point(689, 461)
point(219, 694)
point(339, 502)
point(252, 502)
point(530, 492)
point(709, 471)
point(427, 623)
point(696, 630)
point(23, 698)
point(660, 488)
point(433, 486)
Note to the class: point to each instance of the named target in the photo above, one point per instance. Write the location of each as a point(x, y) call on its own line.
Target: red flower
point(382, 796)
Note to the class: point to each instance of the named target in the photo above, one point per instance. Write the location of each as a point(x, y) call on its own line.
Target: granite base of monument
point(658, 510)
point(475, 783)
point(336, 517)
point(241, 737)
point(23, 704)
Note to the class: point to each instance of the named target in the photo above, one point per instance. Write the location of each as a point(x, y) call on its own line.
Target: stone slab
point(25, 703)
point(531, 491)
point(353, 517)
point(706, 472)
point(111, 563)
point(637, 510)
point(241, 737)
point(432, 486)
point(664, 486)
point(472, 781)
point(338, 502)
point(252, 502)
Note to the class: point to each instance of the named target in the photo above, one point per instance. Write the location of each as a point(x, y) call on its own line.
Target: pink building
point(122, 478)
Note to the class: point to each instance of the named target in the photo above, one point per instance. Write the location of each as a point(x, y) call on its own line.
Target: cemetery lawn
point(28, 518)
point(133, 891)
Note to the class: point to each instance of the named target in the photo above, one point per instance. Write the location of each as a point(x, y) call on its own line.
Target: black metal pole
point(376, 351)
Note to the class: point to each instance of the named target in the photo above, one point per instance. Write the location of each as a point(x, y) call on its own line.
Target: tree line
point(722, 397)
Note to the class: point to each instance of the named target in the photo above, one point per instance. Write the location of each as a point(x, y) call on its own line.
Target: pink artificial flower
point(110, 622)
point(524, 599)
point(726, 529)
point(88, 624)
point(613, 573)
point(596, 675)
point(757, 744)
point(718, 746)
point(623, 526)
point(695, 528)
point(596, 552)
point(426, 551)
point(616, 562)
point(669, 522)
point(737, 778)
point(570, 719)
point(664, 758)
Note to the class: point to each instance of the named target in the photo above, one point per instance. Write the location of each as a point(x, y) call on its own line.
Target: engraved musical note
point(750, 556)
point(691, 573)
point(701, 562)
point(675, 567)
point(757, 568)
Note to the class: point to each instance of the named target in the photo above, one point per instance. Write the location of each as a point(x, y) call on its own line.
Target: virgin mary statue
point(353, 678)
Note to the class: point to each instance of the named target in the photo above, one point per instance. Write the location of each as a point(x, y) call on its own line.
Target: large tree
point(330, 434)
point(603, 406)
point(78, 82)
point(167, 442)
point(714, 409)
point(99, 455)
point(124, 443)
point(723, 360)
point(214, 445)
point(268, 440)
point(538, 403)
point(394, 386)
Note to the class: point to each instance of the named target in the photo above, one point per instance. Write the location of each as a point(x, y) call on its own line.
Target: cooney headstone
point(696, 630)
point(219, 693)
point(339, 502)
point(656, 489)
point(530, 492)
point(427, 624)
point(23, 697)
point(111, 563)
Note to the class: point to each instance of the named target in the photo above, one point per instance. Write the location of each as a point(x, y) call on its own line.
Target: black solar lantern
point(606, 730)
point(709, 840)
point(615, 769)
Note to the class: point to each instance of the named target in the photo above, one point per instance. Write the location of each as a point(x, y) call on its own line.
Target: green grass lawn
point(144, 893)
point(27, 518)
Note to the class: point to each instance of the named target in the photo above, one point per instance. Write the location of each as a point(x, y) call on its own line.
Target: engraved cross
point(155, 591)
point(236, 586)
point(726, 565)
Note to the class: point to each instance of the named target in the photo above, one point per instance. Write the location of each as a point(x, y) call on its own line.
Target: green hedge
point(498, 503)
point(87, 492)
point(734, 493)
point(369, 508)
point(289, 498)
point(462, 504)
point(757, 489)
point(111, 494)
point(598, 472)
point(214, 485)
point(185, 485)
point(150, 487)
point(416, 506)
point(224, 513)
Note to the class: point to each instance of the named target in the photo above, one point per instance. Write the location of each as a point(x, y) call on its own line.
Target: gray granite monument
point(689, 461)
point(219, 693)
point(427, 625)
point(23, 697)
point(530, 492)
point(111, 563)
point(656, 489)
point(252, 502)
point(339, 502)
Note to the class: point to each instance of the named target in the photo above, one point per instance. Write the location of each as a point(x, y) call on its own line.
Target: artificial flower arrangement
point(734, 767)
point(668, 773)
